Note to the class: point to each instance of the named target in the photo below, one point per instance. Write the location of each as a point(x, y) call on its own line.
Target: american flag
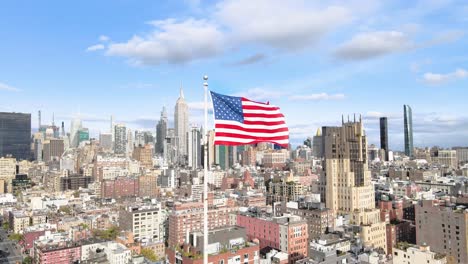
point(240, 121)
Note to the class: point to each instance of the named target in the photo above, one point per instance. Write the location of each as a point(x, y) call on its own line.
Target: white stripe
point(229, 122)
point(266, 119)
point(254, 134)
point(267, 112)
point(246, 140)
point(257, 104)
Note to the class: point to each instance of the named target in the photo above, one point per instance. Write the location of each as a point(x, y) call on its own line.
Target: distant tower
point(112, 127)
point(74, 128)
point(181, 125)
point(63, 129)
point(317, 144)
point(120, 143)
point(408, 126)
point(39, 116)
point(161, 132)
point(194, 148)
point(384, 136)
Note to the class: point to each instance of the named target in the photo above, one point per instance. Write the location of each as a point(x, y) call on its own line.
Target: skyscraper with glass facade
point(15, 135)
point(384, 136)
point(408, 126)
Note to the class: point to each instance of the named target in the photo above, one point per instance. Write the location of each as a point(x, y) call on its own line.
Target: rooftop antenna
point(53, 119)
point(354, 117)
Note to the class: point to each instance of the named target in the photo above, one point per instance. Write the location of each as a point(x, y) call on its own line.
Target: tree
point(27, 260)
point(149, 254)
point(65, 209)
point(6, 225)
point(16, 237)
point(109, 234)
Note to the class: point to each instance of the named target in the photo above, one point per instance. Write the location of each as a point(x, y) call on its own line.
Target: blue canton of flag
point(227, 107)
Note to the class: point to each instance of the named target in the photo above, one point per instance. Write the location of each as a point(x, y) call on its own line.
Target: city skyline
point(96, 68)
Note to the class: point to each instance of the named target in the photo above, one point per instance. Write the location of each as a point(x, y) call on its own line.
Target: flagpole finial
point(205, 78)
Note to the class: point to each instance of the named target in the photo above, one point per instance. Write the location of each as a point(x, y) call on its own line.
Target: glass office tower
point(408, 126)
point(15, 135)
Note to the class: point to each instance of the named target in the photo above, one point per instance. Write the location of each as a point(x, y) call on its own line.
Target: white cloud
point(373, 44)
point(172, 42)
point(95, 47)
point(104, 38)
point(6, 87)
point(289, 25)
point(446, 37)
point(317, 97)
point(260, 94)
point(438, 78)
point(376, 115)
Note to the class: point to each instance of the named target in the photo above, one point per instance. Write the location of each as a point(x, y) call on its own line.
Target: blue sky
point(316, 60)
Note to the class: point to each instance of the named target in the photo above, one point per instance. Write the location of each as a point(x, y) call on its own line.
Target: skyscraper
point(161, 132)
point(120, 143)
point(194, 148)
point(317, 148)
point(346, 182)
point(15, 135)
point(181, 125)
point(74, 128)
point(384, 136)
point(408, 126)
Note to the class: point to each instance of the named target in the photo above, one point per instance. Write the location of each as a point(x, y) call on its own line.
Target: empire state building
point(181, 125)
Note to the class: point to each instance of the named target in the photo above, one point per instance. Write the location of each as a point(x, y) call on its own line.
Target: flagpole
point(205, 176)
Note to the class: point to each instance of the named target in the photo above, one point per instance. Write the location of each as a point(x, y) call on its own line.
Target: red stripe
point(231, 143)
point(255, 107)
point(252, 130)
point(266, 123)
point(263, 115)
point(234, 135)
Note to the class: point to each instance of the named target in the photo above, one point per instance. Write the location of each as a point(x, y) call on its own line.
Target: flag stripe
point(258, 107)
point(275, 136)
point(251, 125)
point(261, 111)
point(269, 116)
point(262, 119)
point(251, 103)
point(232, 128)
point(244, 141)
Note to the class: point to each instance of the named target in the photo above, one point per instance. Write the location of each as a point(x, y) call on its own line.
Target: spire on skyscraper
point(181, 95)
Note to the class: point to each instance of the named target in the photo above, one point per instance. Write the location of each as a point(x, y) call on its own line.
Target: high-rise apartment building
point(194, 148)
point(188, 217)
point(317, 148)
point(408, 127)
point(53, 149)
point(444, 228)
point(15, 135)
point(181, 126)
point(462, 154)
point(346, 182)
point(144, 154)
point(7, 174)
point(384, 136)
point(120, 143)
point(161, 132)
point(286, 233)
point(105, 141)
point(145, 222)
